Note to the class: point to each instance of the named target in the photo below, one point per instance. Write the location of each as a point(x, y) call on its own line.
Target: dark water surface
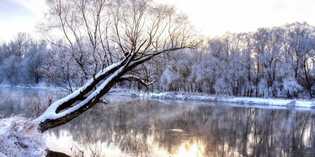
point(149, 128)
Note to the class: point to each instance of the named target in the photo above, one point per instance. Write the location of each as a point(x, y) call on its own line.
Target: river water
point(134, 127)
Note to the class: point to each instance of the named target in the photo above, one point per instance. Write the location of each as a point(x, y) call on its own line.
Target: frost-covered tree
point(301, 45)
point(108, 40)
point(21, 61)
point(252, 64)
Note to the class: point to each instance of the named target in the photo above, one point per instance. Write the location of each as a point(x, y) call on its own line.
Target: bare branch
point(136, 79)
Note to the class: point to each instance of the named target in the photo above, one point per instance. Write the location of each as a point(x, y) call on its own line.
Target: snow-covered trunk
point(71, 106)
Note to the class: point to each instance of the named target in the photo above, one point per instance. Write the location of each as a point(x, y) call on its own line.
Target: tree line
point(270, 62)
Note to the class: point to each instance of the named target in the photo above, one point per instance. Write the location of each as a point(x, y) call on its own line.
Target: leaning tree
point(107, 40)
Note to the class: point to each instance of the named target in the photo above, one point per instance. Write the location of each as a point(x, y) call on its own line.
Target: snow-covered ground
point(19, 137)
point(291, 103)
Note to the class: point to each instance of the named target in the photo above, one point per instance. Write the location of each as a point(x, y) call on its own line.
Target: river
point(135, 127)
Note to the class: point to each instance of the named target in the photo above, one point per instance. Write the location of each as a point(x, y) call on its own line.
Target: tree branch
point(136, 79)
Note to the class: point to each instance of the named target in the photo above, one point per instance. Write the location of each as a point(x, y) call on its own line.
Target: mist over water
point(128, 127)
point(26, 101)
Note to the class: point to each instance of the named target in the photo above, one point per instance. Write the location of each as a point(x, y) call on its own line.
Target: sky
point(209, 17)
point(20, 16)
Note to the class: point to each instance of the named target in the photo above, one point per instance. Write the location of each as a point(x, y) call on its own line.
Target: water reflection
point(172, 129)
point(133, 127)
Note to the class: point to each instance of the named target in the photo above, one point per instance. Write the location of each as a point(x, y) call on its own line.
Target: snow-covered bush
point(222, 87)
point(168, 77)
point(263, 89)
point(291, 87)
point(19, 137)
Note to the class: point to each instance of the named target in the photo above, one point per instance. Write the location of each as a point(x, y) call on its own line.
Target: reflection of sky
point(64, 142)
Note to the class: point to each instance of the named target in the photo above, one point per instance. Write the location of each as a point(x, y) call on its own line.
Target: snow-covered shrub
point(277, 88)
point(19, 137)
point(247, 89)
point(263, 89)
point(222, 87)
point(168, 77)
point(291, 87)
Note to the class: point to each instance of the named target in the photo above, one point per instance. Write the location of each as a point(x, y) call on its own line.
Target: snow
point(298, 103)
point(19, 137)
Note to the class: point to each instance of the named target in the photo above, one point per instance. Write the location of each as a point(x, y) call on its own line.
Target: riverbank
point(276, 102)
point(185, 96)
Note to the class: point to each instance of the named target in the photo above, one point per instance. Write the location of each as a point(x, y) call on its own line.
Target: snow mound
point(19, 137)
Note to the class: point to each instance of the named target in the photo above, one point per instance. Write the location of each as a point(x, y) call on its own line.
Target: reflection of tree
point(225, 131)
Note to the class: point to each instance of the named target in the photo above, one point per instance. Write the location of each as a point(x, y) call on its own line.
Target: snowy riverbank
point(299, 103)
point(276, 102)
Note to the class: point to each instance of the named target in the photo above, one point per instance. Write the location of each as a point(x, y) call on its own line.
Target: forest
point(270, 62)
